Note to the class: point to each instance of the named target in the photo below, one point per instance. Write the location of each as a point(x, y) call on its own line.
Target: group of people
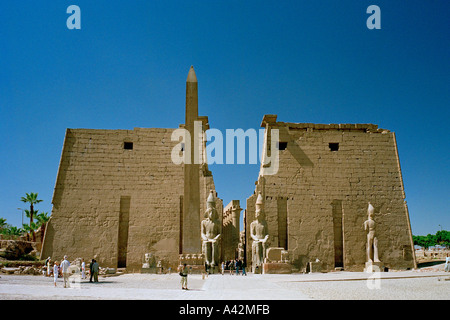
point(234, 266)
point(62, 269)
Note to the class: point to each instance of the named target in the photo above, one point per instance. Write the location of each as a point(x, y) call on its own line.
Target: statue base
point(372, 266)
point(149, 270)
point(315, 267)
point(257, 269)
point(276, 268)
point(213, 270)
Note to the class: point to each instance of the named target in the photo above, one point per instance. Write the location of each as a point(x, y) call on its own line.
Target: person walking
point(243, 268)
point(65, 264)
point(55, 272)
point(91, 273)
point(83, 269)
point(237, 265)
point(184, 275)
point(223, 267)
point(48, 264)
point(95, 269)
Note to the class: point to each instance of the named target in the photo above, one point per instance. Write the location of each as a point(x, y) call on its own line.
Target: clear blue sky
point(306, 61)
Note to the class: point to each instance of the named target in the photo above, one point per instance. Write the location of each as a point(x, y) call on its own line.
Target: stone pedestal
point(194, 262)
point(315, 267)
point(257, 269)
point(213, 270)
point(372, 266)
point(277, 268)
point(149, 270)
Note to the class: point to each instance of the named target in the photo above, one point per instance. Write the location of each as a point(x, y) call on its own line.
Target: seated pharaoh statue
point(259, 234)
point(210, 232)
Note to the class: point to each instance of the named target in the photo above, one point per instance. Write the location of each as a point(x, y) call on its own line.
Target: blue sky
point(306, 61)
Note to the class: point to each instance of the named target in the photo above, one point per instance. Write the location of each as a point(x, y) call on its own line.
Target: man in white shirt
point(65, 270)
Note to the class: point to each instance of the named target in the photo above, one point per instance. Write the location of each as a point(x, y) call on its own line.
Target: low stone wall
point(426, 255)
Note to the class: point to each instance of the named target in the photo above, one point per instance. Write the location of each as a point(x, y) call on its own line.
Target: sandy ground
point(429, 284)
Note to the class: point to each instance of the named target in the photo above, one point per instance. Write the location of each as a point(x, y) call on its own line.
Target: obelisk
point(191, 200)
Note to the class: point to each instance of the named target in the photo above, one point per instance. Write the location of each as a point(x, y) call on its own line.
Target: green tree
point(32, 199)
point(443, 238)
point(14, 231)
point(420, 241)
point(42, 219)
point(3, 223)
point(431, 240)
point(8, 230)
point(41, 222)
point(30, 229)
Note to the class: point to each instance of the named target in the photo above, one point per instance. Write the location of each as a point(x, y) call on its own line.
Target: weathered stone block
point(277, 268)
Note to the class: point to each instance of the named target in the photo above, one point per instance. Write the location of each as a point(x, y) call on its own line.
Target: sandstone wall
point(317, 203)
point(118, 203)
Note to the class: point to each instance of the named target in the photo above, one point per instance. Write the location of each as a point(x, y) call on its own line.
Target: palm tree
point(42, 218)
point(30, 229)
point(41, 222)
point(3, 226)
point(14, 231)
point(3, 223)
point(32, 199)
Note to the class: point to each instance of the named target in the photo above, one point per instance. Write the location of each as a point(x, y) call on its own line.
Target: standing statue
point(259, 233)
point(210, 232)
point(372, 241)
point(146, 263)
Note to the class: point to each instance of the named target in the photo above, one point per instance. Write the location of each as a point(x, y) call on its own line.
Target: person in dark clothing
point(90, 270)
point(243, 268)
point(95, 270)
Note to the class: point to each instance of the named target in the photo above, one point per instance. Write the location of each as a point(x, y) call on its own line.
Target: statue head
point(211, 211)
point(370, 210)
point(259, 212)
point(210, 202)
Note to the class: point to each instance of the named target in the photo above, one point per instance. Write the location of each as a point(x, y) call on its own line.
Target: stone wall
point(118, 201)
point(317, 203)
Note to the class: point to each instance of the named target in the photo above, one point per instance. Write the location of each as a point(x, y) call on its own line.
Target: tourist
point(237, 264)
point(231, 267)
point(83, 269)
point(65, 270)
point(95, 269)
point(55, 272)
point(90, 270)
point(243, 268)
point(184, 274)
point(223, 267)
point(48, 264)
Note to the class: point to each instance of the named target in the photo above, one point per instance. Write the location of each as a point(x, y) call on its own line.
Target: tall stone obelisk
point(191, 200)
